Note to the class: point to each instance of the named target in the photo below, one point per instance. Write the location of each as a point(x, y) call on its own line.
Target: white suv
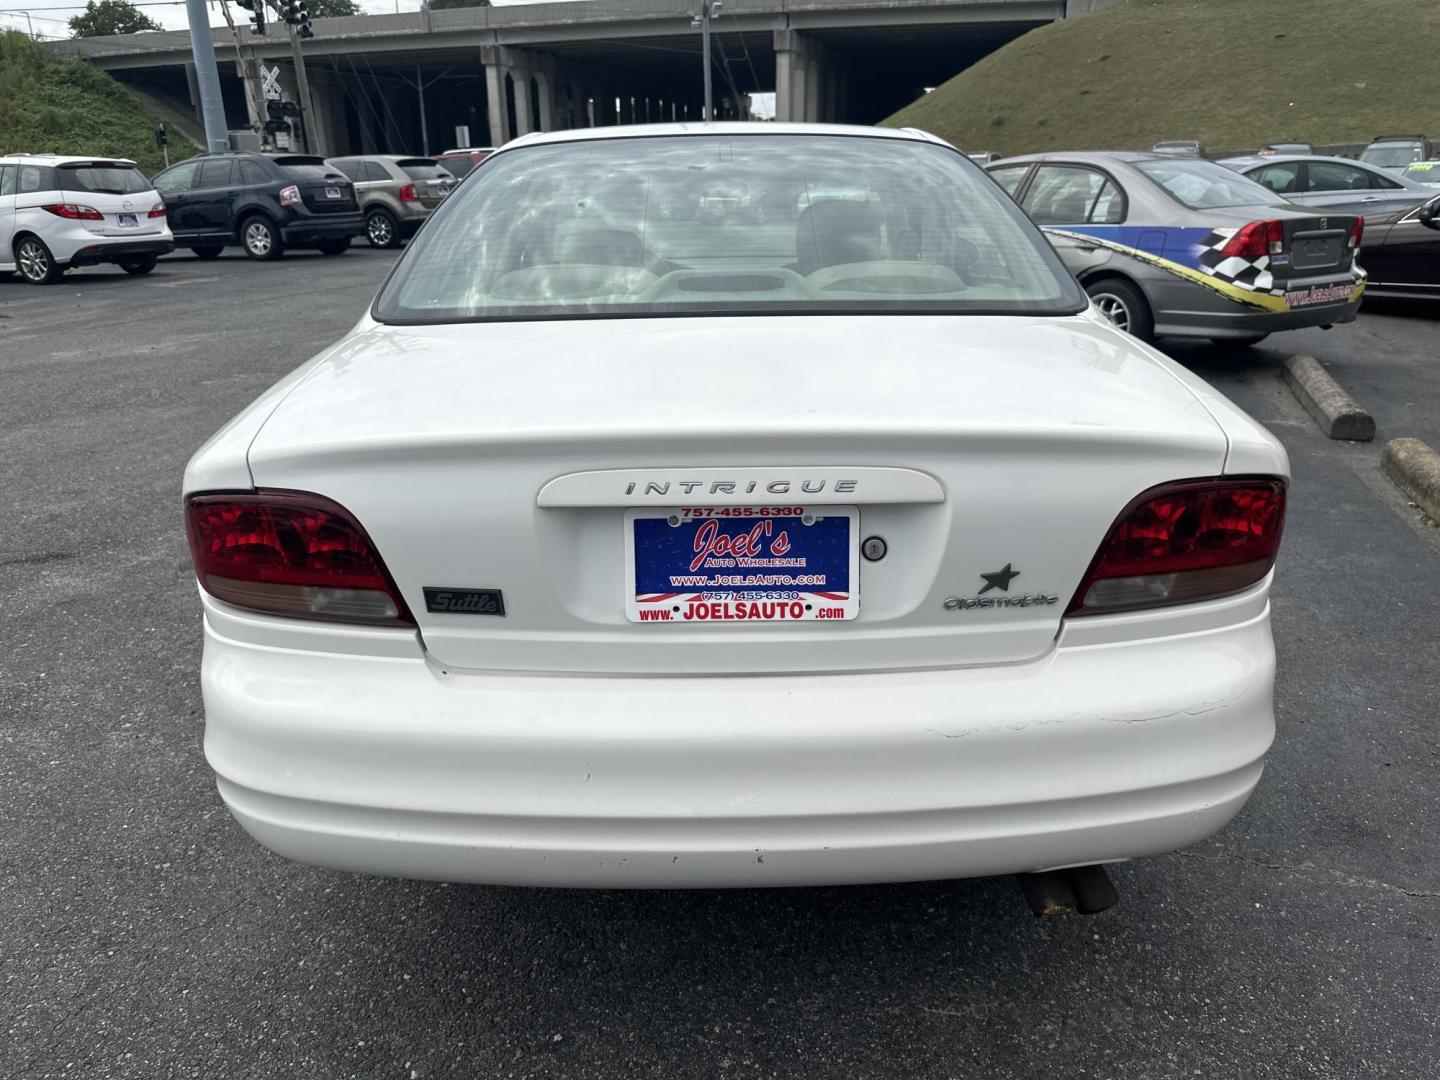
point(61, 212)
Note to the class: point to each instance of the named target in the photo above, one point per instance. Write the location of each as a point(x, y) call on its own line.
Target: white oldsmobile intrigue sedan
point(725, 505)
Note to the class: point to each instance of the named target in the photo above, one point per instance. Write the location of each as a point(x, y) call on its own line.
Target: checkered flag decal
point(1246, 273)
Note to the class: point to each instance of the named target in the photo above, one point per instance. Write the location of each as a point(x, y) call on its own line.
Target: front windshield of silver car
point(699, 224)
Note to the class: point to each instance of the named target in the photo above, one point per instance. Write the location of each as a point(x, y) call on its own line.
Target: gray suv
point(396, 193)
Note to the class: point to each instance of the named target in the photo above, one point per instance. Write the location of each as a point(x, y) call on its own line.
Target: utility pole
point(701, 22)
point(420, 84)
point(297, 21)
point(307, 107)
point(207, 77)
point(245, 66)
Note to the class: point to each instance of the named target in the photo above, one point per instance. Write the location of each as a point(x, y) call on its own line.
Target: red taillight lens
point(1357, 234)
point(290, 196)
point(407, 193)
point(290, 553)
point(1183, 542)
point(1256, 239)
point(158, 210)
point(74, 212)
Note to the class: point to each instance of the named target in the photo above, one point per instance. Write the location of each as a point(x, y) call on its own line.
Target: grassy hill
point(1231, 73)
point(66, 106)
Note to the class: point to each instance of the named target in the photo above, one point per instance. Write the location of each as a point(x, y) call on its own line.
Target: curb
point(1337, 413)
point(1415, 470)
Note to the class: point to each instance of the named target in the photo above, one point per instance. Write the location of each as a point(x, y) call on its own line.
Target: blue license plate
point(736, 564)
point(128, 221)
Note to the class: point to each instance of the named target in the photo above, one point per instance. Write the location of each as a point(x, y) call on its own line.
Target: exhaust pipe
point(1052, 893)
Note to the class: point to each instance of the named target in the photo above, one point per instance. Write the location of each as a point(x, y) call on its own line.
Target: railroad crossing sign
point(270, 82)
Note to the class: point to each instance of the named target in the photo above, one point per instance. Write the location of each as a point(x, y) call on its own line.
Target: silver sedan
point(1181, 247)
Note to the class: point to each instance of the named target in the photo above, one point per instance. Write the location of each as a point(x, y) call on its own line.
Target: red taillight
point(290, 553)
point(1357, 233)
point(158, 210)
point(1183, 542)
point(1256, 239)
point(290, 196)
point(407, 193)
point(74, 212)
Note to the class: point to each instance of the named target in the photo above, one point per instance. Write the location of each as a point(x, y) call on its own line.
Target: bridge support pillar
point(804, 84)
point(520, 88)
point(496, 61)
point(545, 84)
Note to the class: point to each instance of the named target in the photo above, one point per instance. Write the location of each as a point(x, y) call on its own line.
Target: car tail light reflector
point(158, 210)
point(1357, 233)
point(1184, 542)
point(1256, 239)
point(74, 212)
point(407, 193)
point(290, 553)
point(290, 196)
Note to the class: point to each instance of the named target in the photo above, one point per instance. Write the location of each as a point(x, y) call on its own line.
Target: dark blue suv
point(264, 202)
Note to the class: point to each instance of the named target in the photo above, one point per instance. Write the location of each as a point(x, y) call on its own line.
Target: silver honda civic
point(1182, 247)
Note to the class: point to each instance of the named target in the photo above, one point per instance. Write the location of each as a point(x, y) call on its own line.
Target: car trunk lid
point(323, 188)
point(115, 189)
point(1314, 244)
point(432, 181)
point(996, 446)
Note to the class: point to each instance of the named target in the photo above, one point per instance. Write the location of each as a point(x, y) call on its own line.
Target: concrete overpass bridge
point(418, 82)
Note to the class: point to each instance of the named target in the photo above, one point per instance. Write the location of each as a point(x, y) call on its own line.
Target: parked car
point(1398, 151)
point(1183, 248)
point(396, 193)
point(1333, 183)
point(983, 157)
point(263, 202)
point(459, 163)
point(58, 212)
point(843, 542)
point(1401, 253)
point(1423, 172)
point(1179, 148)
point(1271, 149)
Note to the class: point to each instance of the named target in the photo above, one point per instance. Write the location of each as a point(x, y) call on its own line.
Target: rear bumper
point(109, 251)
point(308, 230)
point(1187, 310)
point(391, 765)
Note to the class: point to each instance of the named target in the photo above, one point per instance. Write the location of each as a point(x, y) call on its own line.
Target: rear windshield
point(458, 165)
point(107, 178)
point(1393, 155)
point(710, 224)
point(424, 169)
point(1204, 185)
point(297, 167)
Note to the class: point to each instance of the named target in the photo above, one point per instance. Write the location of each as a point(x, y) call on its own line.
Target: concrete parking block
point(1339, 415)
point(1415, 469)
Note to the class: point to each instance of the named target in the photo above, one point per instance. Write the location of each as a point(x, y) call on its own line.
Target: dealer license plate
point(332, 193)
point(738, 564)
point(128, 221)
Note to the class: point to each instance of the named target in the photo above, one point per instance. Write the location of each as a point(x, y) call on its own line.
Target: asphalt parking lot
point(142, 934)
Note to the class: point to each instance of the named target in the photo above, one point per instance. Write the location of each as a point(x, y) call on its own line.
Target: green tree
point(445, 5)
point(111, 17)
point(329, 9)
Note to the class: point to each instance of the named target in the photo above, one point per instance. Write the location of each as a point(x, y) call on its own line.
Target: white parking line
point(182, 281)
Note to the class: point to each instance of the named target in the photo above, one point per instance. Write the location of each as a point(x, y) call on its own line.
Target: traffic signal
point(257, 14)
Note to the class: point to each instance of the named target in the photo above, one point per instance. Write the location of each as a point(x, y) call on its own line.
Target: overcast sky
point(49, 17)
